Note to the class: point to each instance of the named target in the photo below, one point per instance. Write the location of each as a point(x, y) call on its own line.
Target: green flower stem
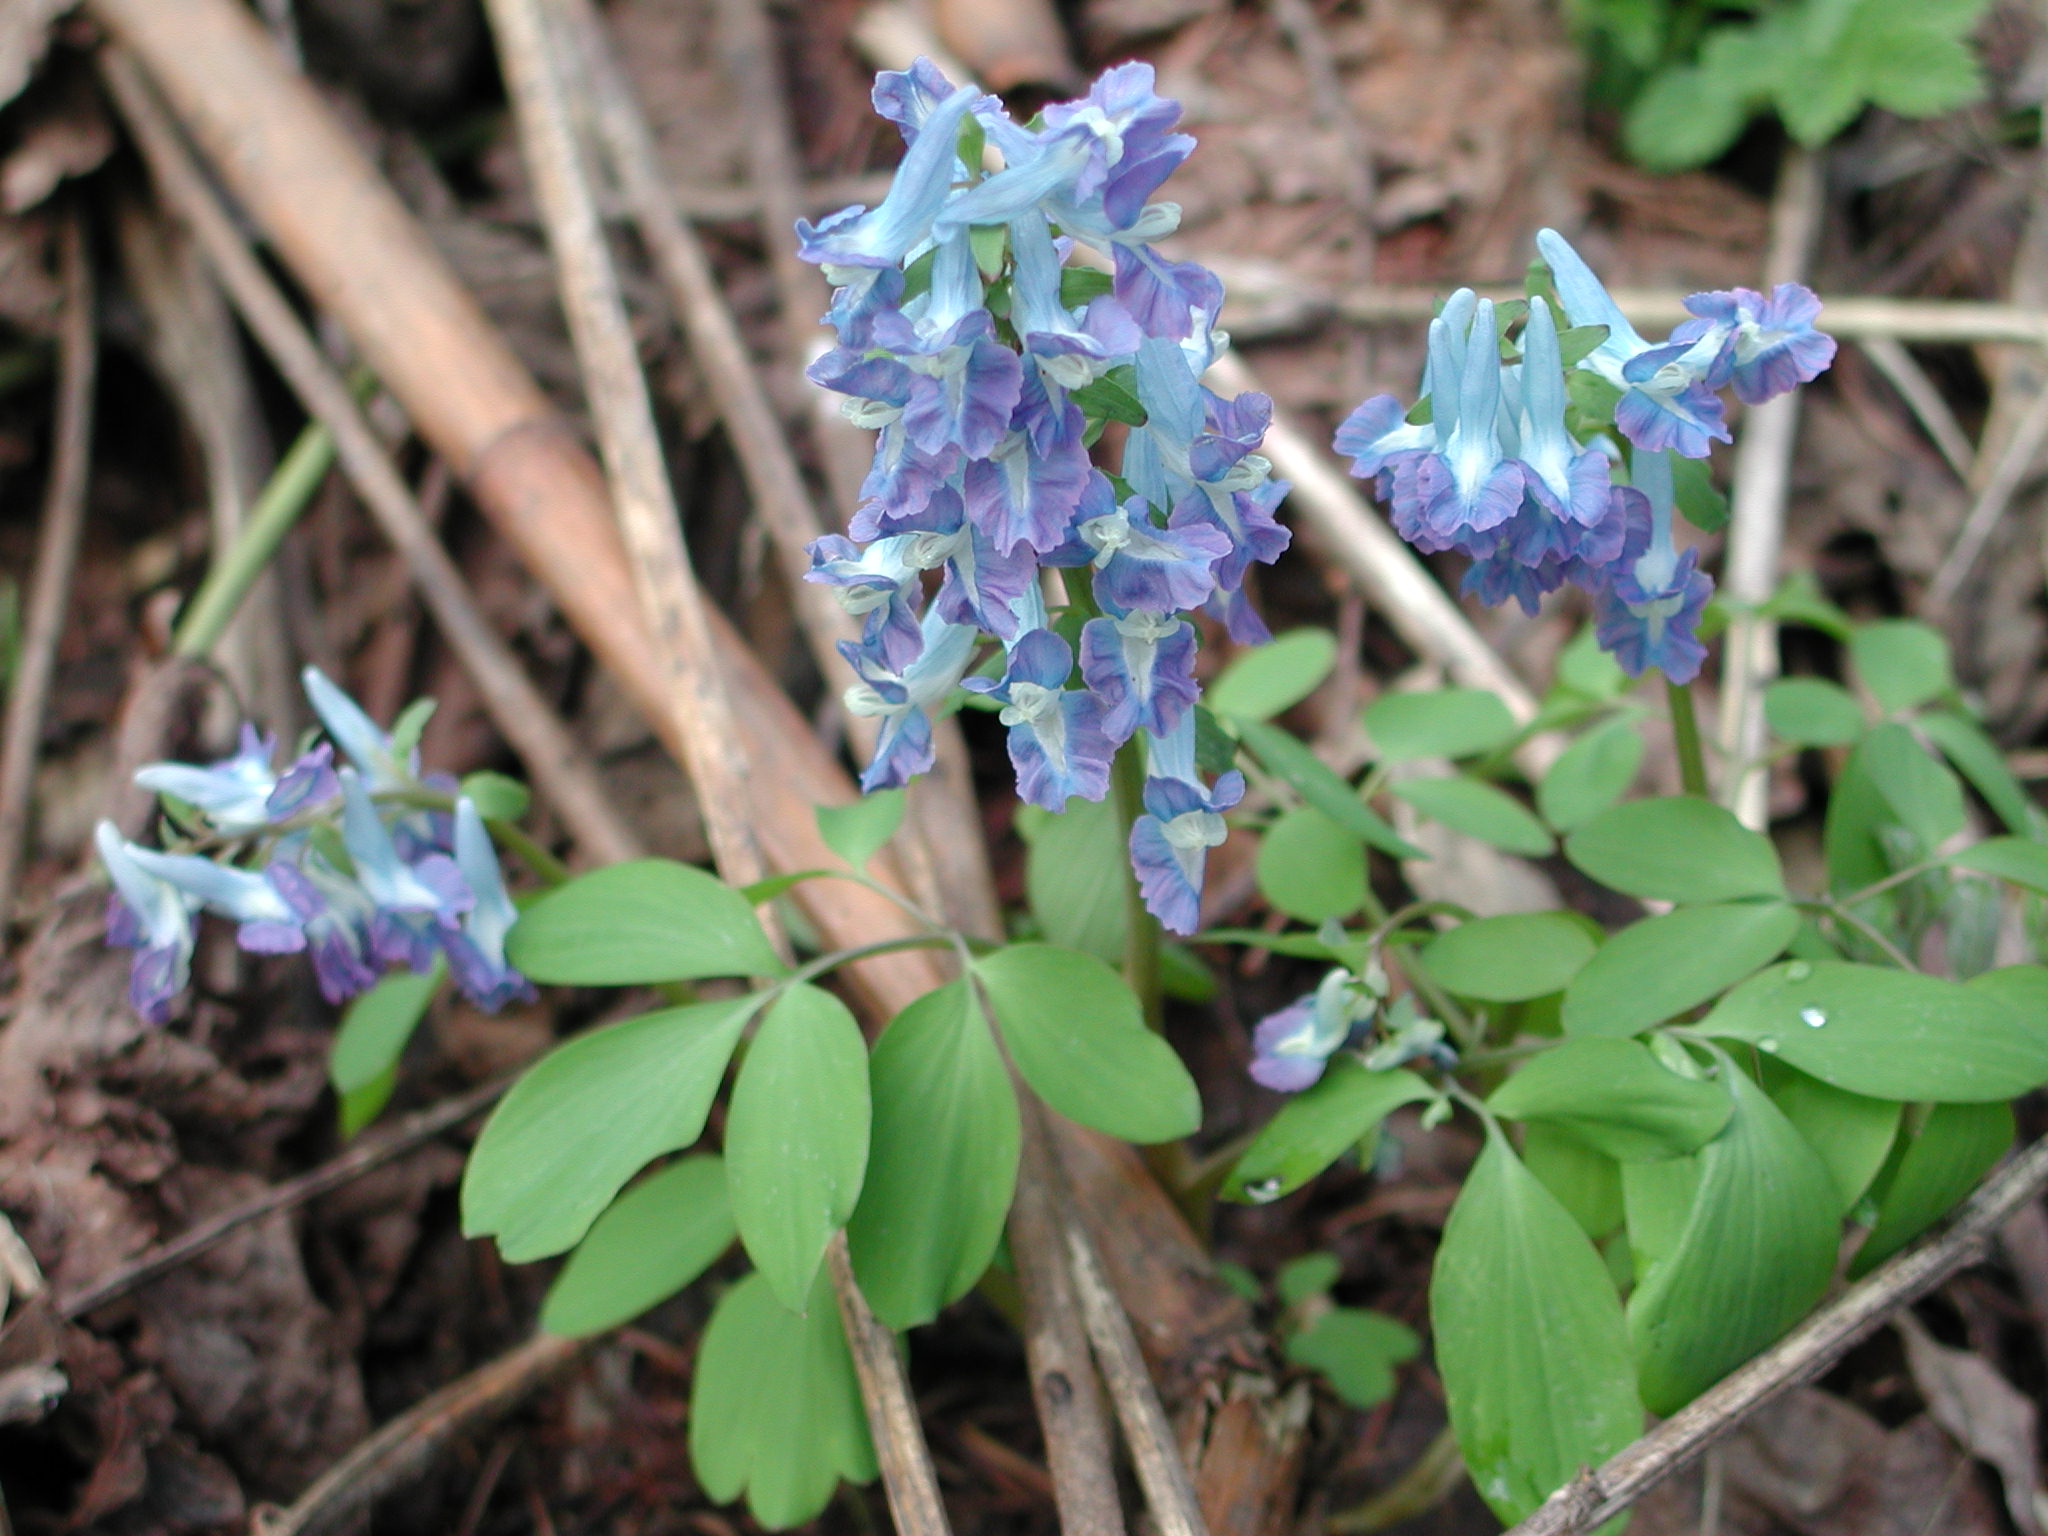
point(1127, 785)
point(1685, 735)
point(277, 509)
point(1141, 928)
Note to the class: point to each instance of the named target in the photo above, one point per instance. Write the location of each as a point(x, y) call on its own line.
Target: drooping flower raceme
point(343, 865)
point(989, 359)
point(1543, 484)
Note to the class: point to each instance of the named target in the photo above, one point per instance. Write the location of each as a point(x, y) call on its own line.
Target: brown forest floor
point(237, 1378)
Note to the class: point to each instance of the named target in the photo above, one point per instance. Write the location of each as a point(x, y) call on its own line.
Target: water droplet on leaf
point(1812, 1018)
point(1261, 1191)
point(1768, 1043)
point(1798, 970)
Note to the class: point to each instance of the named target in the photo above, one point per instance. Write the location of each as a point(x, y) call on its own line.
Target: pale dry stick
point(2008, 473)
point(362, 1156)
point(1064, 1386)
point(1169, 1491)
point(57, 541)
point(1408, 597)
point(1599, 1495)
point(675, 609)
point(406, 1446)
point(1906, 375)
point(773, 477)
point(1756, 519)
point(558, 765)
point(1847, 319)
point(746, 39)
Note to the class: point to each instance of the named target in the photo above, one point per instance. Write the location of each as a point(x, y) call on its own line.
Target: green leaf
point(1076, 874)
point(1076, 1033)
point(1311, 868)
point(991, 246)
point(942, 1162)
point(1356, 1351)
point(1977, 758)
point(1510, 958)
point(365, 1102)
point(496, 796)
point(1110, 399)
point(1658, 968)
point(2019, 860)
point(1577, 343)
point(1955, 1148)
point(410, 725)
point(377, 1024)
point(655, 1239)
point(1685, 117)
point(1529, 1339)
point(1442, 722)
point(1590, 774)
point(1267, 679)
point(1852, 832)
point(1078, 285)
point(1925, 798)
point(796, 1136)
point(1317, 783)
point(1657, 1199)
point(644, 921)
point(860, 829)
point(1903, 663)
point(1756, 1252)
point(1799, 601)
point(775, 1407)
point(588, 1116)
point(1310, 1275)
point(1319, 1125)
point(1582, 666)
point(1896, 1034)
point(1479, 810)
point(1585, 1182)
point(1616, 1097)
point(1679, 848)
point(1812, 712)
point(1852, 1133)
point(1698, 499)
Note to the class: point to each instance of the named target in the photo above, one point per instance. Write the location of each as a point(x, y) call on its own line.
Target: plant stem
point(1141, 928)
point(286, 495)
point(1685, 735)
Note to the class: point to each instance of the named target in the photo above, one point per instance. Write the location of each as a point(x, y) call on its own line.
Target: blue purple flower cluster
point(1495, 469)
point(990, 366)
point(349, 865)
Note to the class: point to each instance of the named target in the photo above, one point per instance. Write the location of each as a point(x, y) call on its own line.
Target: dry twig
point(405, 1447)
point(56, 554)
point(365, 1154)
point(1600, 1495)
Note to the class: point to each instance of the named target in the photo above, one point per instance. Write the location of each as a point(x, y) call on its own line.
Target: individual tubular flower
point(1138, 564)
point(1057, 743)
point(881, 236)
point(901, 698)
point(1023, 492)
point(151, 916)
point(409, 899)
point(1183, 820)
point(1142, 668)
point(1649, 612)
point(1071, 351)
point(1292, 1047)
point(1467, 484)
point(877, 585)
point(243, 793)
point(475, 944)
point(357, 735)
point(1667, 392)
point(1774, 346)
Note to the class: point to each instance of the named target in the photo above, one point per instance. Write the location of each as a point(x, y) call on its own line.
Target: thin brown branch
point(405, 1447)
point(1064, 1385)
point(1903, 371)
point(1169, 1491)
point(560, 769)
point(1600, 1495)
point(368, 1152)
point(63, 524)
